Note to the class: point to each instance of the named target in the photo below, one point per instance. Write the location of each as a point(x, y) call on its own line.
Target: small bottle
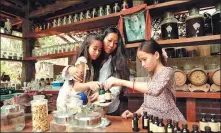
point(151, 124)
point(203, 123)
point(145, 120)
point(107, 96)
point(213, 124)
point(185, 129)
point(169, 126)
point(135, 123)
point(176, 128)
point(195, 129)
point(207, 129)
point(161, 128)
point(155, 124)
point(102, 95)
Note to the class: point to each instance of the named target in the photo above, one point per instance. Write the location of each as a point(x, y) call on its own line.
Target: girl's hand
point(94, 85)
point(112, 81)
point(94, 97)
point(127, 114)
point(73, 71)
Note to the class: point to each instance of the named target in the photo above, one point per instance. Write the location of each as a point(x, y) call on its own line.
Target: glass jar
point(74, 104)
point(195, 23)
point(107, 10)
point(39, 108)
point(12, 118)
point(216, 19)
point(62, 121)
point(94, 13)
point(100, 11)
point(169, 27)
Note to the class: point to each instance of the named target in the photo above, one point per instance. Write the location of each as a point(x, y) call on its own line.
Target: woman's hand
point(73, 71)
point(112, 81)
point(94, 97)
point(94, 85)
point(127, 114)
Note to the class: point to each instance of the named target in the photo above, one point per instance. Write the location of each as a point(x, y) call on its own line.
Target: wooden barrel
point(214, 76)
point(180, 77)
point(197, 77)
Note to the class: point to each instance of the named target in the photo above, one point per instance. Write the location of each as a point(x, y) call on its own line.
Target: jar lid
point(38, 97)
point(10, 108)
point(63, 117)
point(87, 116)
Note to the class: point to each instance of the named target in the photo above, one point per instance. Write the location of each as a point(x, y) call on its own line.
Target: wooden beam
point(191, 109)
point(54, 7)
point(9, 4)
point(11, 11)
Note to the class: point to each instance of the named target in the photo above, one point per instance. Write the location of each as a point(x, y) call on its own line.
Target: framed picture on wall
point(134, 27)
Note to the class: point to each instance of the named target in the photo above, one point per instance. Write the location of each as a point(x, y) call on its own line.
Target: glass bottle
point(107, 10)
point(176, 128)
point(216, 17)
point(151, 124)
point(39, 108)
point(213, 124)
point(135, 123)
point(161, 128)
point(195, 129)
point(101, 11)
point(169, 126)
point(88, 14)
point(203, 122)
point(108, 96)
point(155, 124)
point(116, 8)
point(195, 23)
point(207, 129)
point(102, 95)
point(145, 120)
point(76, 17)
point(94, 13)
point(82, 16)
point(185, 129)
point(169, 27)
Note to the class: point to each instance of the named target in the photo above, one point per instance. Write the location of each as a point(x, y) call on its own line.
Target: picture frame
point(134, 27)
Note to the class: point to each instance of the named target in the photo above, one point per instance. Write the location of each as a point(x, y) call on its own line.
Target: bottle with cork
point(213, 124)
point(169, 126)
point(135, 123)
point(145, 120)
point(203, 123)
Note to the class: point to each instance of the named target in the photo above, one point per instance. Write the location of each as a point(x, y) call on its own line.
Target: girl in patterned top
point(159, 91)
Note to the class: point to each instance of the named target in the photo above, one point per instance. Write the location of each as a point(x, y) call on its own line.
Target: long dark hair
point(83, 51)
point(119, 56)
point(151, 46)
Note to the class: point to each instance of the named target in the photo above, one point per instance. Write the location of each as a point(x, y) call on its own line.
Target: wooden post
point(191, 109)
point(28, 67)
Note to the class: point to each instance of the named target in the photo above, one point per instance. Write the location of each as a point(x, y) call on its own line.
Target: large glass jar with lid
point(195, 23)
point(12, 118)
point(39, 108)
point(216, 19)
point(169, 27)
point(74, 104)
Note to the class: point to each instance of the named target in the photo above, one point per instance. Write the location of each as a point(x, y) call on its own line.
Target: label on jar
point(145, 122)
point(214, 126)
point(219, 126)
point(160, 129)
point(151, 125)
point(202, 125)
point(132, 123)
point(107, 96)
point(169, 130)
point(154, 127)
point(102, 98)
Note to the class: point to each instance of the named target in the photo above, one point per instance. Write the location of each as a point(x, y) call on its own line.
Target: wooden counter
point(118, 124)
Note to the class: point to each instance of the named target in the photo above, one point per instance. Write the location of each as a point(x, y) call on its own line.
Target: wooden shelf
point(3, 59)
point(87, 24)
point(167, 4)
point(11, 36)
point(52, 56)
point(179, 94)
point(184, 41)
